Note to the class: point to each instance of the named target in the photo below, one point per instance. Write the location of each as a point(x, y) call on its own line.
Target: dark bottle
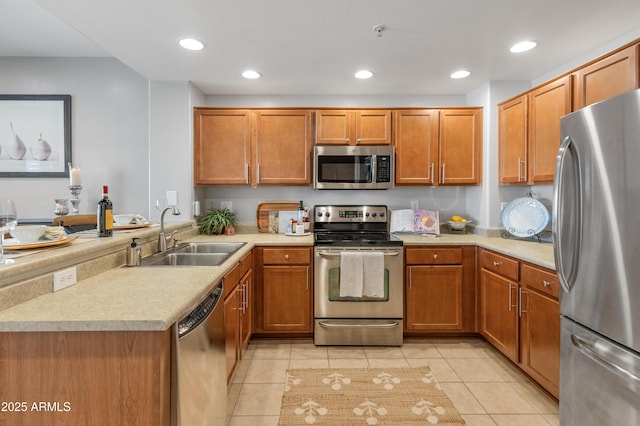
point(105, 214)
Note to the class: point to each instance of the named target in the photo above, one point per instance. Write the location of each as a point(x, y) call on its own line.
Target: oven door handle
point(326, 324)
point(337, 253)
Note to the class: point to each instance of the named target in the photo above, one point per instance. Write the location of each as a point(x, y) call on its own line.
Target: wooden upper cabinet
point(416, 142)
point(547, 105)
point(461, 146)
point(512, 141)
point(610, 76)
point(222, 146)
point(283, 147)
point(353, 127)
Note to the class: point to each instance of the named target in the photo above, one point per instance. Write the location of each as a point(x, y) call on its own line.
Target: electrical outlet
point(172, 198)
point(415, 204)
point(226, 205)
point(65, 278)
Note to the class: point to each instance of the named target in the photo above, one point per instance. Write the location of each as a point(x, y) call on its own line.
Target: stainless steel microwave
point(353, 167)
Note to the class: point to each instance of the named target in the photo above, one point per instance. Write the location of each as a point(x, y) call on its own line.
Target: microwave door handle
point(374, 161)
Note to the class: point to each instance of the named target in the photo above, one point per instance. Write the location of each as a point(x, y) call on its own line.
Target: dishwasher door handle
point(337, 324)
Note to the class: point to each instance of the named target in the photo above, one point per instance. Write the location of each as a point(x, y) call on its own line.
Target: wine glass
point(8, 220)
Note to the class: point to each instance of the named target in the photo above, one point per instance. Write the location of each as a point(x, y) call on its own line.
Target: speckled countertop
point(153, 298)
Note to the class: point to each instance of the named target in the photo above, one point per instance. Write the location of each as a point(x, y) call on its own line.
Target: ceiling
point(313, 47)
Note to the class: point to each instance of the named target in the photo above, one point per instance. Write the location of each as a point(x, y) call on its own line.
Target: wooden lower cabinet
point(86, 377)
point(520, 315)
point(238, 311)
point(439, 290)
point(284, 291)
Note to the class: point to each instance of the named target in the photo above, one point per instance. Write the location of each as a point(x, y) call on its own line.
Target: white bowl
point(123, 219)
point(26, 234)
point(457, 226)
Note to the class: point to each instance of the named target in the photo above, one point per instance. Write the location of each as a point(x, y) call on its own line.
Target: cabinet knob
point(435, 256)
point(347, 140)
point(496, 263)
point(286, 256)
point(546, 283)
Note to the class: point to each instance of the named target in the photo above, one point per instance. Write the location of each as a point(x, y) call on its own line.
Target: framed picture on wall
point(35, 135)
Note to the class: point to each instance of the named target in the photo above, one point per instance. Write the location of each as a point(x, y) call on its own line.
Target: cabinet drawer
point(502, 265)
point(434, 256)
point(286, 256)
point(246, 263)
point(542, 280)
point(230, 280)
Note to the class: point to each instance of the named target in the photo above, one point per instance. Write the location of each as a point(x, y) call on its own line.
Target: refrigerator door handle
point(590, 350)
point(559, 185)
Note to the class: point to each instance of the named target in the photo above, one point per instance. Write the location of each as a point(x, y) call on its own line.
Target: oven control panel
point(330, 214)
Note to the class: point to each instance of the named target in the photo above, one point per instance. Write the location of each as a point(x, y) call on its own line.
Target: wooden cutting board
point(76, 219)
point(264, 209)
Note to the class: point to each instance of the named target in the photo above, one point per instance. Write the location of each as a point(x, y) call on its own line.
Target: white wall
point(109, 136)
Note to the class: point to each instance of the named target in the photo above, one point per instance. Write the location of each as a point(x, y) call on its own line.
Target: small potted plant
point(217, 221)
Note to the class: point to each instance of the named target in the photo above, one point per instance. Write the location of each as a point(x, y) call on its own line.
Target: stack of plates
point(525, 217)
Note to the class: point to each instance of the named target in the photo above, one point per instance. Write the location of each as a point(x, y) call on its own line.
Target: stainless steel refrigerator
point(596, 231)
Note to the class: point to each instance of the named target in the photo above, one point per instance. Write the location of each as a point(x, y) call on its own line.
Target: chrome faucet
point(162, 239)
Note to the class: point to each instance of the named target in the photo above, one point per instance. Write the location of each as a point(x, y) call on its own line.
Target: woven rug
point(365, 396)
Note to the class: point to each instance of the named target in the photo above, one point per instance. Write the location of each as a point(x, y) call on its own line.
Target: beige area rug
point(365, 396)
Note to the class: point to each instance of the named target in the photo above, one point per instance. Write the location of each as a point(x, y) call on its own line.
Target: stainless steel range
point(358, 271)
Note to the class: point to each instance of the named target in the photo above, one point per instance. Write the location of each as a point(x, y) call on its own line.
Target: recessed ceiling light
point(250, 74)
point(363, 74)
point(460, 74)
point(191, 44)
point(523, 46)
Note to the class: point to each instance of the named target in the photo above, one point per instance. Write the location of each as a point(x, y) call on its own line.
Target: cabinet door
point(283, 147)
point(547, 105)
point(499, 313)
point(373, 127)
point(540, 339)
point(512, 141)
point(286, 298)
point(246, 312)
point(231, 327)
point(434, 298)
point(460, 146)
point(222, 146)
point(610, 76)
point(416, 142)
point(333, 127)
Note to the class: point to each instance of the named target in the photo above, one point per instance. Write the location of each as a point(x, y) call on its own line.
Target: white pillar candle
point(75, 176)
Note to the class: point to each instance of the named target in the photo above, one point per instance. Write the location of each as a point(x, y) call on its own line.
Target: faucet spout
point(162, 239)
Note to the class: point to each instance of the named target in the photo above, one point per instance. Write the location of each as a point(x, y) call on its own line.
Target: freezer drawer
point(599, 379)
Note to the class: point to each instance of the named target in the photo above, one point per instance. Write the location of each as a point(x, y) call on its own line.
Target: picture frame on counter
point(35, 135)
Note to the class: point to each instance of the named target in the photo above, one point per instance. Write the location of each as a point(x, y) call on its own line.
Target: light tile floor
point(485, 388)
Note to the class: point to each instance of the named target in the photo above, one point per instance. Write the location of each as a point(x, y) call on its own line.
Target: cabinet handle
point(347, 140)
point(246, 172)
point(435, 256)
point(520, 310)
point(258, 173)
point(496, 264)
point(443, 169)
point(546, 283)
point(521, 170)
point(358, 141)
point(432, 177)
point(307, 277)
point(410, 279)
point(286, 256)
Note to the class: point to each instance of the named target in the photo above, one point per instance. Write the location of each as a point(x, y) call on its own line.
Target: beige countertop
point(153, 298)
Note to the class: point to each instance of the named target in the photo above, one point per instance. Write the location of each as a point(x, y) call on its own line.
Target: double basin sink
point(193, 254)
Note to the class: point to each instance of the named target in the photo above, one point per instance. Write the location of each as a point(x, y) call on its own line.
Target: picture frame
point(35, 135)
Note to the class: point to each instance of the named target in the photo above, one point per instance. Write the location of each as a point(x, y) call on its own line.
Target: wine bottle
point(105, 214)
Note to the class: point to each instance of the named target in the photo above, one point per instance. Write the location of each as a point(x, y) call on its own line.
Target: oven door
point(327, 300)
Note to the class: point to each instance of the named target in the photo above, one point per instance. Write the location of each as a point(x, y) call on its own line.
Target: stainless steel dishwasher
point(199, 370)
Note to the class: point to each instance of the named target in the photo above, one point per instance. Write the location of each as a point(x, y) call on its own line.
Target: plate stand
point(532, 235)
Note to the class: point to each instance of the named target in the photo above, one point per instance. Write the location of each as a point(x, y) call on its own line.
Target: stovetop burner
point(352, 226)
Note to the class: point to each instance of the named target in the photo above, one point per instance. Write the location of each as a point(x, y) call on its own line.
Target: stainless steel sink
point(193, 254)
point(185, 259)
point(228, 248)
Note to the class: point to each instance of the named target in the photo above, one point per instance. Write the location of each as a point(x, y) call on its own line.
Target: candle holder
point(75, 201)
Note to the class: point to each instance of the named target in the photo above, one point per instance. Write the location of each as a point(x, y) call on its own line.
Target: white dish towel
point(373, 274)
point(351, 274)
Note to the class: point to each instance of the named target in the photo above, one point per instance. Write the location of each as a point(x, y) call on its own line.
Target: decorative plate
point(12, 243)
point(525, 217)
